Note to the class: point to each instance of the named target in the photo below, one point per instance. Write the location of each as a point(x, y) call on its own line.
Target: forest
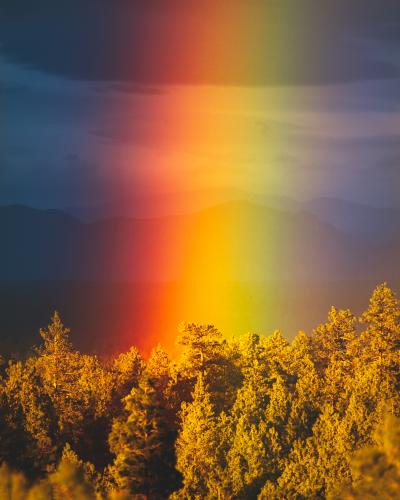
point(247, 417)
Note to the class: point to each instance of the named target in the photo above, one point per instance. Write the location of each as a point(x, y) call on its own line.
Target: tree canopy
point(248, 417)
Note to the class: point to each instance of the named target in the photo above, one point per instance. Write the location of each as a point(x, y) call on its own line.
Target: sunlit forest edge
point(248, 417)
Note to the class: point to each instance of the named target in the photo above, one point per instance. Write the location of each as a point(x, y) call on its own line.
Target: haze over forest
point(104, 275)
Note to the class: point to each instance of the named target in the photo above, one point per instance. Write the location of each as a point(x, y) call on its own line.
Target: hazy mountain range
point(287, 264)
point(343, 241)
point(360, 220)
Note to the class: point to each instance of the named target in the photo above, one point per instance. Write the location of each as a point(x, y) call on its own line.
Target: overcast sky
point(297, 99)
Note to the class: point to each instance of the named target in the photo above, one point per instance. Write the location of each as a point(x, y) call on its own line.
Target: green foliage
point(254, 417)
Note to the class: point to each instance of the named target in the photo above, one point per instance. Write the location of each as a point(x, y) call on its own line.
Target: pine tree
point(56, 337)
point(199, 447)
point(382, 319)
point(81, 392)
point(29, 421)
point(255, 417)
point(331, 340)
point(143, 444)
point(250, 459)
point(13, 485)
point(69, 481)
point(376, 469)
point(158, 367)
point(206, 352)
point(127, 368)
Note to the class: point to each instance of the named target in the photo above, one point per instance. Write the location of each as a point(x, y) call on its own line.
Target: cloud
point(253, 42)
point(73, 137)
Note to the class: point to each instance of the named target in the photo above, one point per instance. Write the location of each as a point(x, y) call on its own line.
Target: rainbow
point(207, 143)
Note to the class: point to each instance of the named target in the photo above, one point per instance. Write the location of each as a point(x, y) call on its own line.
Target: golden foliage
point(254, 417)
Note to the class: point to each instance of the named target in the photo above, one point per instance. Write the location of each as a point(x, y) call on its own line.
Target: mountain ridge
point(50, 244)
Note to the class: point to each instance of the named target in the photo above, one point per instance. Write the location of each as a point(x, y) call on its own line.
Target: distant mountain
point(125, 281)
point(376, 225)
point(180, 203)
point(373, 224)
point(251, 242)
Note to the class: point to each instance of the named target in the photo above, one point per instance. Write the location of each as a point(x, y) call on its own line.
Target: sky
point(154, 107)
point(150, 106)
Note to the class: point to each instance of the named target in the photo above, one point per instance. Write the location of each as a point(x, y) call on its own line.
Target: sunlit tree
point(141, 442)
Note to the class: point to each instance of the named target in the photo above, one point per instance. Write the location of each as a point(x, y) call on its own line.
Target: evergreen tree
point(143, 444)
point(127, 368)
point(332, 339)
point(376, 469)
point(254, 417)
point(251, 457)
point(206, 352)
point(69, 481)
point(81, 392)
point(29, 433)
point(382, 319)
point(159, 369)
point(13, 485)
point(198, 447)
point(55, 337)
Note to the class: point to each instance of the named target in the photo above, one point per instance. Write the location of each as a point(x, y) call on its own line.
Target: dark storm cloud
point(64, 140)
point(158, 41)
